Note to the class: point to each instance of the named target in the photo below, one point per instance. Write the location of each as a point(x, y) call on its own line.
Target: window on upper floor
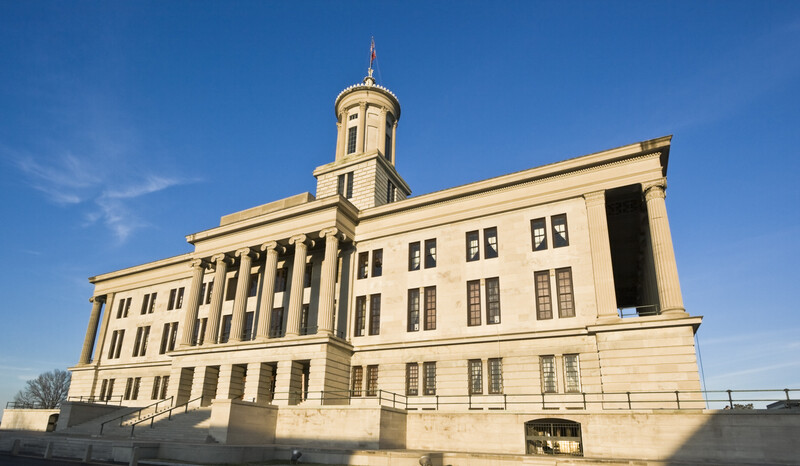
point(412, 379)
point(539, 234)
point(413, 256)
point(149, 303)
point(140, 343)
point(429, 378)
point(363, 265)
point(475, 367)
point(413, 310)
point(473, 248)
point(253, 288)
point(377, 262)
point(560, 235)
point(352, 132)
point(160, 385)
point(388, 145)
point(304, 319)
point(115, 347)
point(430, 253)
point(132, 388)
point(344, 186)
point(230, 291)
point(548, 369)
point(473, 303)
point(544, 305)
point(280, 279)
point(276, 323)
point(430, 308)
point(493, 300)
point(209, 291)
point(490, 250)
point(168, 337)
point(307, 274)
point(352, 117)
point(225, 328)
point(572, 373)
point(495, 366)
point(124, 307)
point(106, 389)
point(391, 192)
point(175, 299)
point(199, 331)
point(249, 319)
point(375, 314)
point(566, 300)
point(361, 316)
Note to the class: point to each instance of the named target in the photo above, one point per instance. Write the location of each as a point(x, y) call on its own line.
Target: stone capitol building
point(536, 304)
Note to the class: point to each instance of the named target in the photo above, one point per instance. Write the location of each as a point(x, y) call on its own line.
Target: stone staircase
point(191, 426)
point(36, 444)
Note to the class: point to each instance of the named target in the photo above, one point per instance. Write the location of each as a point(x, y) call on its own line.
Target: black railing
point(168, 412)
point(137, 413)
point(27, 405)
point(97, 400)
point(638, 311)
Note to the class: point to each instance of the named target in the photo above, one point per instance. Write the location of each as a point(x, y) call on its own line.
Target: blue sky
point(125, 126)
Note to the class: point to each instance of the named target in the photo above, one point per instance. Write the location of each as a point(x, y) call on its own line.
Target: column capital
point(199, 263)
point(595, 198)
point(99, 298)
point(384, 110)
point(220, 258)
point(272, 246)
point(298, 239)
point(362, 106)
point(334, 232)
point(247, 252)
point(655, 188)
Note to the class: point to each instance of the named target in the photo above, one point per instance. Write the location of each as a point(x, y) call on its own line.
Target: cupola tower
point(363, 169)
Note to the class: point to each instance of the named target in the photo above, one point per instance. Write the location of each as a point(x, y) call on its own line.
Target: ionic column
point(242, 291)
point(382, 130)
point(328, 281)
point(669, 288)
point(101, 336)
point(362, 126)
point(270, 248)
point(91, 330)
point(394, 139)
point(602, 267)
point(193, 304)
point(341, 130)
point(221, 262)
point(296, 292)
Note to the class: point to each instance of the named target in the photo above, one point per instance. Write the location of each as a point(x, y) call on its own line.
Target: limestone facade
point(542, 286)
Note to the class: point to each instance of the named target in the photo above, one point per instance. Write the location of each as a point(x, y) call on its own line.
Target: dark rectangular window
point(225, 332)
point(209, 291)
point(179, 299)
point(473, 302)
point(351, 139)
point(149, 303)
point(430, 308)
point(249, 318)
point(276, 323)
point(388, 145)
point(560, 235)
point(473, 250)
point(495, 366)
point(372, 380)
point(391, 192)
point(490, 243)
point(304, 320)
point(357, 381)
point(377, 262)
point(199, 331)
point(173, 293)
point(156, 385)
point(124, 307)
point(413, 256)
point(548, 365)
point(164, 386)
point(168, 337)
point(253, 288)
point(140, 344)
point(375, 314)
point(544, 306)
point(475, 377)
point(353, 117)
point(493, 300)
point(566, 304)
point(361, 315)
point(539, 234)
point(363, 265)
point(430, 253)
point(344, 186)
point(412, 379)
point(307, 275)
point(230, 292)
point(413, 310)
point(429, 382)
point(280, 280)
point(152, 303)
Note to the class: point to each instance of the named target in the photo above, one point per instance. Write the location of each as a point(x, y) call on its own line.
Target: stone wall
point(27, 419)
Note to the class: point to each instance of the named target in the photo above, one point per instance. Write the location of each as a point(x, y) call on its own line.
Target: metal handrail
point(138, 413)
point(96, 400)
point(26, 405)
point(168, 412)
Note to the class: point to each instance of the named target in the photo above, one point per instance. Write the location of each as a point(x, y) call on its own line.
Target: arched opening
point(51, 422)
point(553, 436)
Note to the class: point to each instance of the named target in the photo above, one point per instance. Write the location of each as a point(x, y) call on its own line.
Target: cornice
point(143, 267)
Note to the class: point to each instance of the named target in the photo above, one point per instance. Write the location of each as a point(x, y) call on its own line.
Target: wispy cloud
point(756, 370)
